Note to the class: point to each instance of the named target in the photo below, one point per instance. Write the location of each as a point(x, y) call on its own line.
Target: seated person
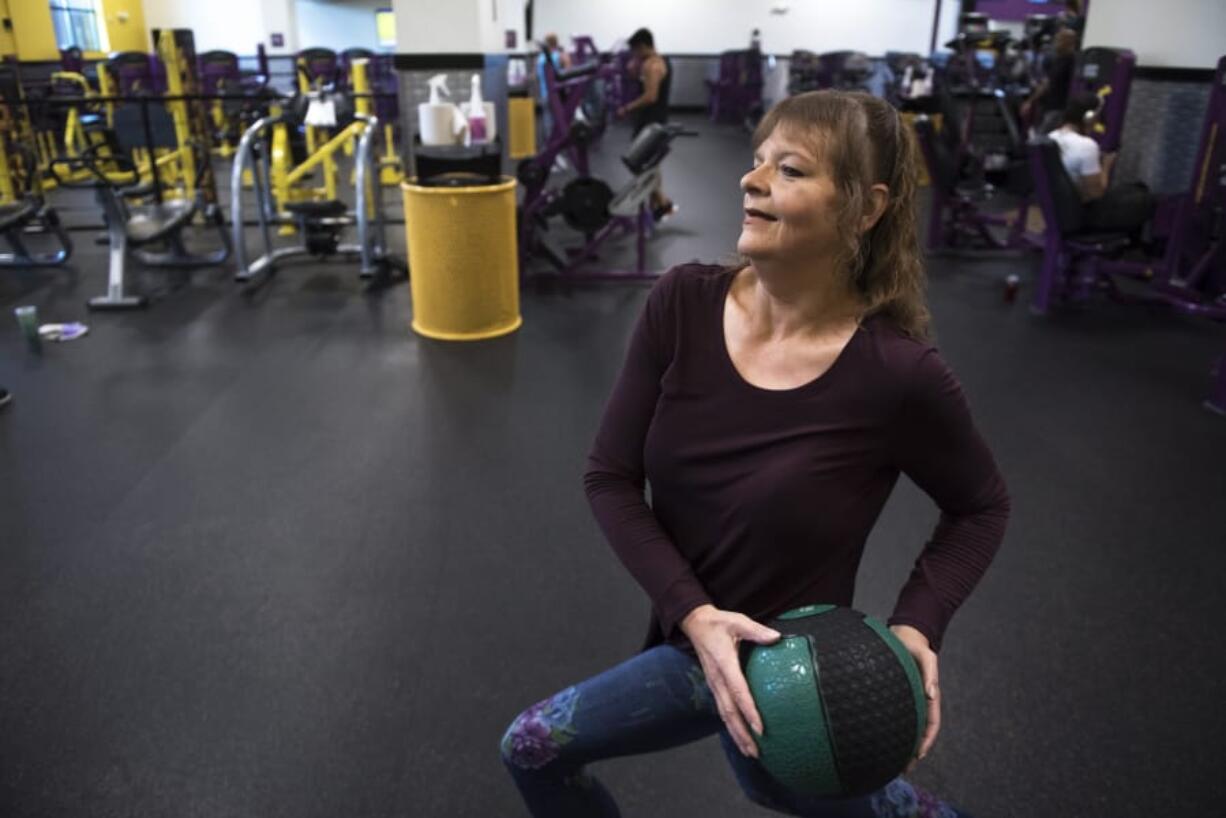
point(1125, 208)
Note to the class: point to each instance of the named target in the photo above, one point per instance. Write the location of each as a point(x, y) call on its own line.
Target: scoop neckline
point(813, 385)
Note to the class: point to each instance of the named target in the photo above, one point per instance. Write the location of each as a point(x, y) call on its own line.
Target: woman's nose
point(754, 181)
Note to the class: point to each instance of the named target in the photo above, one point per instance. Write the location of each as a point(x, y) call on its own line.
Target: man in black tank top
point(656, 73)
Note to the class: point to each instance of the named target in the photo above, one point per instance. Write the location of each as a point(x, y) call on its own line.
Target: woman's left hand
point(917, 645)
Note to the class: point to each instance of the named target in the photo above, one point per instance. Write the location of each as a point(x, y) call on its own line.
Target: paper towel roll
point(437, 123)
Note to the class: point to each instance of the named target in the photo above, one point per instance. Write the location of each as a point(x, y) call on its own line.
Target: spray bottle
point(476, 115)
point(439, 122)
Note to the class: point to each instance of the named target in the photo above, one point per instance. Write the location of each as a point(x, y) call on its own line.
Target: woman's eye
point(788, 170)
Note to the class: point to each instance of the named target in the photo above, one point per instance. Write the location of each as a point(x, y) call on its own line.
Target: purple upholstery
point(1107, 72)
point(736, 93)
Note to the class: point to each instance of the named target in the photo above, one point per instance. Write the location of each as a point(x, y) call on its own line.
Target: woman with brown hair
point(772, 405)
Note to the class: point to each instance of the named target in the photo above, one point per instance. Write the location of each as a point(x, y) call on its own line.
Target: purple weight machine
point(319, 66)
point(220, 73)
point(72, 59)
point(1188, 276)
point(841, 70)
point(911, 89)
point(978, 153)
point(1217, 397)
point(623, 84)
point(958, 217)
point(135, 73)
point(612, 86)
point(588, 205)
point(1106, 72)
point(242, 95)
point(381, 76)
point(565, 92)
point(980, 150)
point(735, 95)
point(619, 73)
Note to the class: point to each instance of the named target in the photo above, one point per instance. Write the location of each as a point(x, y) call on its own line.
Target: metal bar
point(153, 165)
point(241, 157)
point(323, 152)
point(360, 201)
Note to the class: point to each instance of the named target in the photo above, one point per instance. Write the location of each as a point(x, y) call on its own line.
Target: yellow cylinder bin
point(521, 112)
point(463, 260)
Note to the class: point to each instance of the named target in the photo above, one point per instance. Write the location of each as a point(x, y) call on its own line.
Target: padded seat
point(16, 215)
point(648, 149)
point(329, 208)
point(92, 121)
point(154, 222)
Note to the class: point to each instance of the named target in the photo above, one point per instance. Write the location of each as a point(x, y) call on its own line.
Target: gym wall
point(8, 45)
point(458, 26)
point(712, 26)
point(125, 25)
point(338, 25)
point(1171, 33)
point(230, 25)
point(1017, 11)
point(33, 35)
point(1158, 146)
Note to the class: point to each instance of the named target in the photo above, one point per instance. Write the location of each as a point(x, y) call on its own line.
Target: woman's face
point(789, 203)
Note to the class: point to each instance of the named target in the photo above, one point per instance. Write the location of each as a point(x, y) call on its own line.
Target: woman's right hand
point(716, 636)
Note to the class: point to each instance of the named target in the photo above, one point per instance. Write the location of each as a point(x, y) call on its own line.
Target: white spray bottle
point(476, 115)
point(439, 122)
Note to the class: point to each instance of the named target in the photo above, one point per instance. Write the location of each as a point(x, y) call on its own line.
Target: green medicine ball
point(842, 702)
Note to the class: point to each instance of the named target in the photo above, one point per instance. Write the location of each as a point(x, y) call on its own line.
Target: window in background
point(77, 23)
point(385, 24)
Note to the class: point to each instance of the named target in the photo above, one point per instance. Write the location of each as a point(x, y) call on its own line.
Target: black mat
point(275, 556)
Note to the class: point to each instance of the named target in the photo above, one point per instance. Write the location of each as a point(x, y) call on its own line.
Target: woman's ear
point(878, 200)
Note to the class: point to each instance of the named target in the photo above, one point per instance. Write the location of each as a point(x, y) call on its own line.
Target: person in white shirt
point(1124, 208)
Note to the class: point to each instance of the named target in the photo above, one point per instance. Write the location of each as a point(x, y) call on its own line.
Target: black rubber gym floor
point(274, 555)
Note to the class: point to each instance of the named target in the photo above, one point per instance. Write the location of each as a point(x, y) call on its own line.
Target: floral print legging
point(656, 700)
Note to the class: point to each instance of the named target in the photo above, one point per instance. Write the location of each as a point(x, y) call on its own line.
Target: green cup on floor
point(27, 317)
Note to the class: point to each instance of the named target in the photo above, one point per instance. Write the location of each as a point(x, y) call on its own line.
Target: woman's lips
point(752, 214)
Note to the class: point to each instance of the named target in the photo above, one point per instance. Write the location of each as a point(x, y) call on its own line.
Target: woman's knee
point(537, 736)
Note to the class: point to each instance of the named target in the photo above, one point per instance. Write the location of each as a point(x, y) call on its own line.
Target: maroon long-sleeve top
point(761, 500)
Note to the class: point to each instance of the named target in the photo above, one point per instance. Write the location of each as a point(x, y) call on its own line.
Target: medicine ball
point(841, 700)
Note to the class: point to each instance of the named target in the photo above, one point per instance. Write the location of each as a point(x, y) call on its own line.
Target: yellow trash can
point(521, 111)
point(463, 260)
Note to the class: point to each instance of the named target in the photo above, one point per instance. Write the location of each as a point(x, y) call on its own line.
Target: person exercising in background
point(656, 74)
point(1073, 18)
point(1124, 208)
point(560, 60)
point(1046, 105)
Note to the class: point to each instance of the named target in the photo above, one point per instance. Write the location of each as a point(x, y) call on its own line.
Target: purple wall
point(1019, 10)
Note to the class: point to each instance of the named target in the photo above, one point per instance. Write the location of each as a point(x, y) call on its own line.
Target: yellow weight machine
point(331, 120)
